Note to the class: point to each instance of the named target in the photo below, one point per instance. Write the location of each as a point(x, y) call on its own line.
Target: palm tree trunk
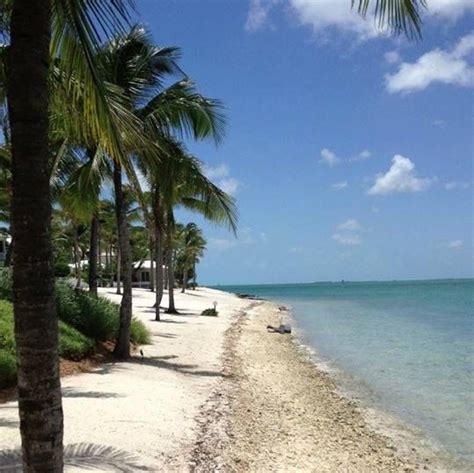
point(152, 264)
point(36, 324)
point(185, 280)
point(94, 241)
point(158, 269)
point(122, 347)
point(77, 258)
point(194, 275)
point(169, 249)
point(119, 272)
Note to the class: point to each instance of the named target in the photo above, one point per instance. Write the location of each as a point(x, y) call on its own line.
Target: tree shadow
point(186, 369)
point(87, 456)
point(71, 392)
point(164, 335)
point(12, 424)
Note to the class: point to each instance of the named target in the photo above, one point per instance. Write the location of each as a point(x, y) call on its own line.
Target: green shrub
point(139, 334)
point(73, 345)
point(67, 305)
point(7, 336)
point(61, 269)
point(7, 369)
point(99, 317)
point(210, 312)
point(6, 284)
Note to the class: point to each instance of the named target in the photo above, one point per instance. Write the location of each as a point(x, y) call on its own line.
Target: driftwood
point(283, 328)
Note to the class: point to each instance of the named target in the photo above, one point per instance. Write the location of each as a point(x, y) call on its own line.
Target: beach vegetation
point(211, 312)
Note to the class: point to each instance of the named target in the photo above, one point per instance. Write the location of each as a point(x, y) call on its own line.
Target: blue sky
point(349, 152)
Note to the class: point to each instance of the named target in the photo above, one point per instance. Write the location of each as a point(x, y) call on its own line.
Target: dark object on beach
point(141, 353)
point(283, 328)
point(283, 308)
point(210, 312)
point(248, 296)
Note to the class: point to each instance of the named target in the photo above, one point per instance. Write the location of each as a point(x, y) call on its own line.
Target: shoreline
point(220, 394)
point(261, 427)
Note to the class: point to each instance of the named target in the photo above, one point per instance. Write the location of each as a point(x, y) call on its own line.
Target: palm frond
point(399, 16)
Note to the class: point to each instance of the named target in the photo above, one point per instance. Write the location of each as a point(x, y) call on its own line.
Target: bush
point(7, 369)
point(210, 312)
point(72, 343)
point(139, 334)
point(61, 269)
point(6, 284)
point(7, 336)
point(99, 317)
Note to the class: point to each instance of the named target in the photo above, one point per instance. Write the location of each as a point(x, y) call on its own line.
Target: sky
point(349, 151)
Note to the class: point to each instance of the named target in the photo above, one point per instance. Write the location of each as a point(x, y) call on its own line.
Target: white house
point(142, 273)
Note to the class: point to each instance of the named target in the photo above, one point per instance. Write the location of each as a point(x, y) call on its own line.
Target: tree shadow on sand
point(85, 456)
point(187, 369)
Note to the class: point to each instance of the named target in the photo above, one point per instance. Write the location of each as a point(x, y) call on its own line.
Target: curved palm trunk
point(122, 347)
point(36, 324)
point(94, 244)
point(194, 275)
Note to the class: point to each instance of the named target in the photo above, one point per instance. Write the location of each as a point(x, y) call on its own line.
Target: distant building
point(142, 273)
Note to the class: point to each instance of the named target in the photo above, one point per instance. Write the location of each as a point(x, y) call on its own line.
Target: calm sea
point(409, 344)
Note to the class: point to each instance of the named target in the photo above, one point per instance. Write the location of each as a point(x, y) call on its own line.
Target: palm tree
point(179, 180)
point(36, 328)
point(191, 246)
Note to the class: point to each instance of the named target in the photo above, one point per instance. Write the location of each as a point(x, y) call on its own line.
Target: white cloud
point(362, 156)
point(350, 225)
point(439, 123)
point(257, 15)
point(324, 16)
point(338, 15)
point(392, 57)
point(456, 245)
point(220, 175)
point(399, 178)
point(339, 185)
point(229, 185)
point(452, 67)
point(329, 158)
point(222, 244)
point(347, 239)
point(348, 233)
point(216, 172)
point(451, 185)
point(449, 9)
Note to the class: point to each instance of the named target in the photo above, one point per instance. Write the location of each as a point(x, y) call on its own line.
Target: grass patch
point(73, 345)
point(139, 334)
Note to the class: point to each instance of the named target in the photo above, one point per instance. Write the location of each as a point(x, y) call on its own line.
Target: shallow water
point(410, 344)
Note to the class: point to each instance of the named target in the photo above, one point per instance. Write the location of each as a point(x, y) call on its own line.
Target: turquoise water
point(411, 344)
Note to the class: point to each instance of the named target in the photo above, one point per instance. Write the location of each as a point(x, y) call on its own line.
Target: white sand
point(146, 407)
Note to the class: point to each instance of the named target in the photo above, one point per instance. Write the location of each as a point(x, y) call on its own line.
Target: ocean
point(402, 347)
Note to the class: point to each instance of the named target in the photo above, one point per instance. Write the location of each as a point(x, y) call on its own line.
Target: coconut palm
point(33, 27)
point(179, 180)
point(191, 246)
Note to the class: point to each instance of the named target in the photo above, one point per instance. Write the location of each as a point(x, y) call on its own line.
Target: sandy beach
point(212, 394)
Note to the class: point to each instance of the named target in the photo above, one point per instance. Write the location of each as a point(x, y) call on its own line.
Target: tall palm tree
point(36, 330)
